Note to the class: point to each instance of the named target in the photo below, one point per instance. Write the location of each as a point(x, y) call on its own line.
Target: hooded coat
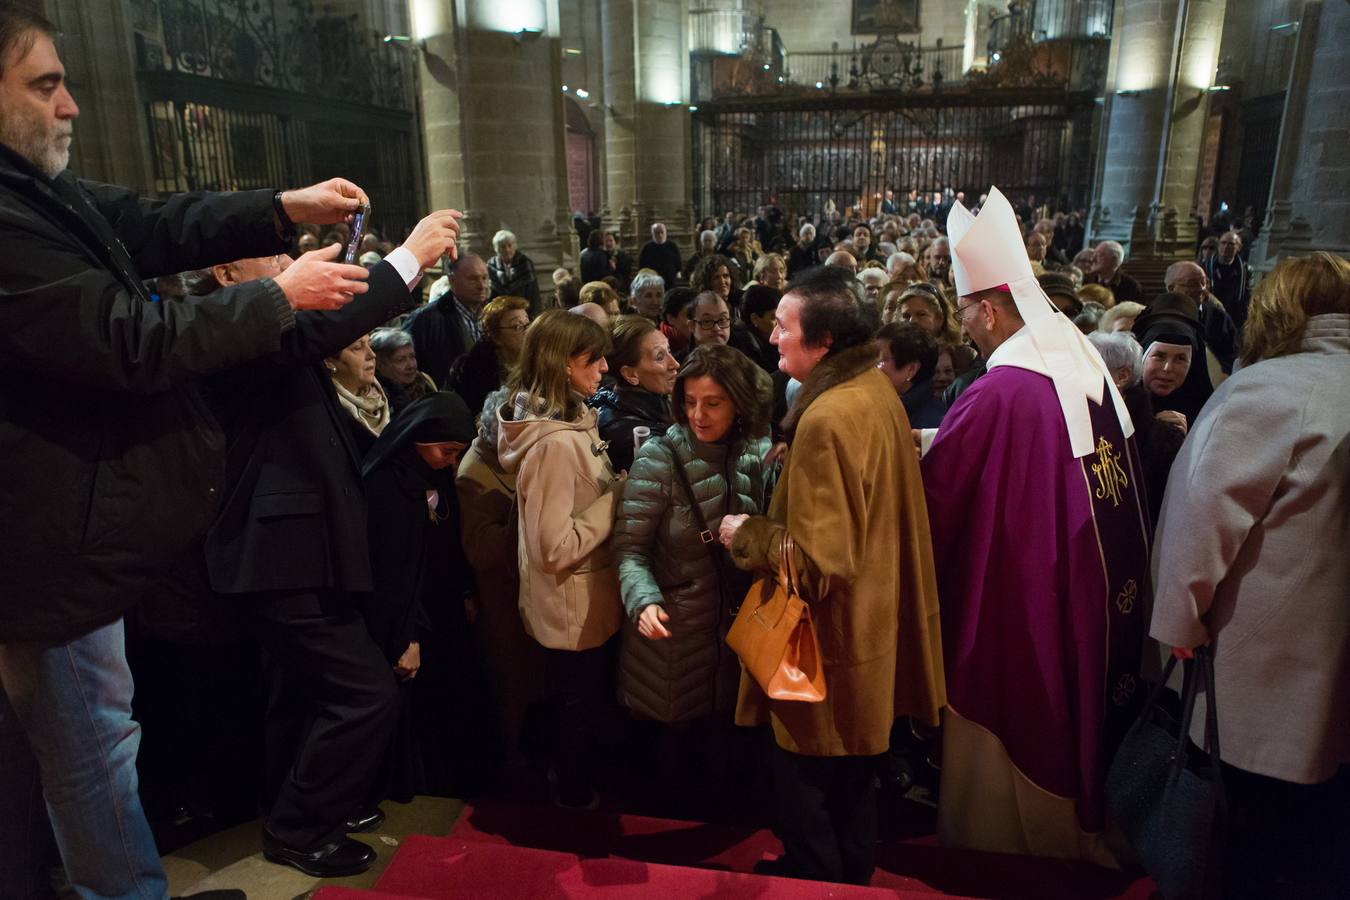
point(851, 497)
point(662, 561)
point(566, 497)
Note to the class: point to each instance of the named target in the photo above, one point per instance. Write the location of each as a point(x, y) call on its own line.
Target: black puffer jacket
point(619, 410)
point(109, 462)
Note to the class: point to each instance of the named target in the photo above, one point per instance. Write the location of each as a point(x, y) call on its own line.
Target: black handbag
point(1170, 811)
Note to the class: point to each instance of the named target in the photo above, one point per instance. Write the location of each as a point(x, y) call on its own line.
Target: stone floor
point(233, 858)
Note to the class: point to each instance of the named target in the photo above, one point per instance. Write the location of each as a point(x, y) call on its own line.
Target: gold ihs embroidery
point(1111, 479)
point(1125, 599)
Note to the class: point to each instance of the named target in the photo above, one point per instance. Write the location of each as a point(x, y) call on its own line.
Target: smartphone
point(358, 230)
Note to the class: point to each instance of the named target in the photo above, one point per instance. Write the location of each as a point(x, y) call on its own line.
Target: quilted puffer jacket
point(662, 560)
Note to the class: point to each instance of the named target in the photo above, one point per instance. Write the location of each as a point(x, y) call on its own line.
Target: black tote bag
point(1170, 811)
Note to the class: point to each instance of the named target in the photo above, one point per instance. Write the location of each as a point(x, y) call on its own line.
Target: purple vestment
point(1042, 563)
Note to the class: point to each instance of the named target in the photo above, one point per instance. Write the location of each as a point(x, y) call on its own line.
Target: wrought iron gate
point(246, 94)
point(801, 155)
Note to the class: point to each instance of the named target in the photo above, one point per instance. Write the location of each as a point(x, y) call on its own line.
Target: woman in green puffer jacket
point(679, 591)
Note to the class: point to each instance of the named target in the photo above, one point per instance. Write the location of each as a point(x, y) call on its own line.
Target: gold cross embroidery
point(1111, 479)
point(1125, 599)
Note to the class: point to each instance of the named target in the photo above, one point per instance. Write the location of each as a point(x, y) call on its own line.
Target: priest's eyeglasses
point(720, 323)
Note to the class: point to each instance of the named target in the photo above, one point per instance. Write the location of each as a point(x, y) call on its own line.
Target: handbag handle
point(787, 565)
point(1205, 659)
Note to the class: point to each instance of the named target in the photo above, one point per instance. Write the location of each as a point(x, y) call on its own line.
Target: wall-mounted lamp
point(403, 40)
point(1131, 93)
point(996, 56)
point(1290, 27)
point(571, 51)
point(693, 109)
point(1215, 88)
point(528, 35)
point(582, 93)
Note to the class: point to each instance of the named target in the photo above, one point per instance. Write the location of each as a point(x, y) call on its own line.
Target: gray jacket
point(662, 560)
point(1251, 556)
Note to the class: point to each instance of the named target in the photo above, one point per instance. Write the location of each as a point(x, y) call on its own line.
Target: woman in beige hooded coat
point(566, 497)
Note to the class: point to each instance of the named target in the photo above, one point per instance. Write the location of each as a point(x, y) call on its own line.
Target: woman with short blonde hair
point(771, 271)
point(483, 369)
point(601, 295)
point(1250, 560)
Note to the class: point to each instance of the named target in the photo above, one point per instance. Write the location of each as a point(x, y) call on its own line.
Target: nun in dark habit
point(420, 578)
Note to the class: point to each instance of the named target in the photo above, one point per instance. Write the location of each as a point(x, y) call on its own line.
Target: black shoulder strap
point(705, 534)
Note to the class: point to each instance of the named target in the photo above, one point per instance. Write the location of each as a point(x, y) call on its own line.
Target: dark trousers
point(827, 815)
point(332, 707)
point(1286, 840)
point(580, 680)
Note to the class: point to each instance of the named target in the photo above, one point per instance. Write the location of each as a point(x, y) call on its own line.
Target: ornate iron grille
point(270, 93)
point(801, 157)
point(284, 44)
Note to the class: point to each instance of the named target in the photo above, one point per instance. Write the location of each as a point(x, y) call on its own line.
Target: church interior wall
point(817, 27)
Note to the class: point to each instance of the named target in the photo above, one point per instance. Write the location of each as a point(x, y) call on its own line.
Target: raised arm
point(68, 321)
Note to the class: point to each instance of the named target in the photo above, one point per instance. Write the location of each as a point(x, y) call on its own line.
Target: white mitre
point(988, 252)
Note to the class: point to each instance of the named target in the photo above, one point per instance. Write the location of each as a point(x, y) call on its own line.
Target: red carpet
point(450, 869)
point(913, 865)
point(504, 850)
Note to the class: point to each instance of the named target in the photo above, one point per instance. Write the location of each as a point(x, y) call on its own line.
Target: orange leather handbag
point(775, 638)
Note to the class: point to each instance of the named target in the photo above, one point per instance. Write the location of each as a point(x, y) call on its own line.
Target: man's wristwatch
point(280, 209)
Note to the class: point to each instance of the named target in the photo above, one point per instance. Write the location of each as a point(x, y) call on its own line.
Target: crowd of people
point(469, 530)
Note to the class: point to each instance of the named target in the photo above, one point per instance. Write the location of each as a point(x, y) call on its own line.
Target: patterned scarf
point(370, 409)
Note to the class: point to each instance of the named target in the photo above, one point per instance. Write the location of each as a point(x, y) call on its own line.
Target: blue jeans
point(74, 702)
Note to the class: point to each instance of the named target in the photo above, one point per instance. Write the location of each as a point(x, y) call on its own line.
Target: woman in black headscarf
point(417, 568)
point(1176, 373)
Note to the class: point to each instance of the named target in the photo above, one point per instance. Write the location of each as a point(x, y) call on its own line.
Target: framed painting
point(883, 16)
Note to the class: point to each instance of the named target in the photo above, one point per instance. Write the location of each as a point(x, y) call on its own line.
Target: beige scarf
point(370, 409)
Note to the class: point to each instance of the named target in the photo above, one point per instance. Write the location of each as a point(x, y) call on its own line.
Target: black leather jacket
point(619, 410)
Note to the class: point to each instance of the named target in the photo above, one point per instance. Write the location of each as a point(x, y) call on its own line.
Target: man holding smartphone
point(110, 464)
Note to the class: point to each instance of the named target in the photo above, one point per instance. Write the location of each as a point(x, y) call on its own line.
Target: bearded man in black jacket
point(109, 463)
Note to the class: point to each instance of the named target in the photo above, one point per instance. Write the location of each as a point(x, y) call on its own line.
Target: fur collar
point(831, 371)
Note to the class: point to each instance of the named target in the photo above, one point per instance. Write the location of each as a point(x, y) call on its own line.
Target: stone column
point(112, 142)
point(1309, 206)
point(493, 127)
point(647, 157)
point(1157, 103)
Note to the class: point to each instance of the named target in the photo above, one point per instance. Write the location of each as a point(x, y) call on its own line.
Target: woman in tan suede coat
point(851, 498)
point(566, 494)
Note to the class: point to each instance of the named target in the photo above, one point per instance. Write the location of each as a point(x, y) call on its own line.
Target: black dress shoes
point(332, 860)
point(365, 820)
point(214, 895)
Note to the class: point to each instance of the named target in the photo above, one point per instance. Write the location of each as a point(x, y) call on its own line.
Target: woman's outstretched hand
point(651, 623)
